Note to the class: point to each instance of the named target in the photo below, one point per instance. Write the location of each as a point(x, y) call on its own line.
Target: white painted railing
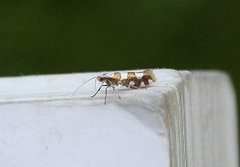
point(185, 119)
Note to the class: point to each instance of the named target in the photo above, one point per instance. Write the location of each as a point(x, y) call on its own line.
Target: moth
point(131, 80)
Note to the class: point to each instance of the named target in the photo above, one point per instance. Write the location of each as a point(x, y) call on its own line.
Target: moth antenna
point(83, 84)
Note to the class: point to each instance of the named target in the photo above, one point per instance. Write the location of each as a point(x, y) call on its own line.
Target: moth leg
point(133, 87)
point(98, 90)
point(115, 90)
point(105, 102)
point(133, 84)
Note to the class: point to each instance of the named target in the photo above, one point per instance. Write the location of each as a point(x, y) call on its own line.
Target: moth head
point(102, 78)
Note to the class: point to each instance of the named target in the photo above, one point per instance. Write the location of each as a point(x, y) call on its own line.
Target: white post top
point(183, 119)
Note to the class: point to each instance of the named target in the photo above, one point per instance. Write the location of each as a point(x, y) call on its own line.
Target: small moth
point(131, 80)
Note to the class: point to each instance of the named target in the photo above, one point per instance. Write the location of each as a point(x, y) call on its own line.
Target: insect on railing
point(131, 80)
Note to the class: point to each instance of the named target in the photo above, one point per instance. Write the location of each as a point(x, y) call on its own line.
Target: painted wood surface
point(184, 119)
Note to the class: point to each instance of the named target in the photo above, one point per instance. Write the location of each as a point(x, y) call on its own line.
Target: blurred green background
point(43, 37)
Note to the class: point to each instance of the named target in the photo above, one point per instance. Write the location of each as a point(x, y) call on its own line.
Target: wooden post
point(185, 119)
